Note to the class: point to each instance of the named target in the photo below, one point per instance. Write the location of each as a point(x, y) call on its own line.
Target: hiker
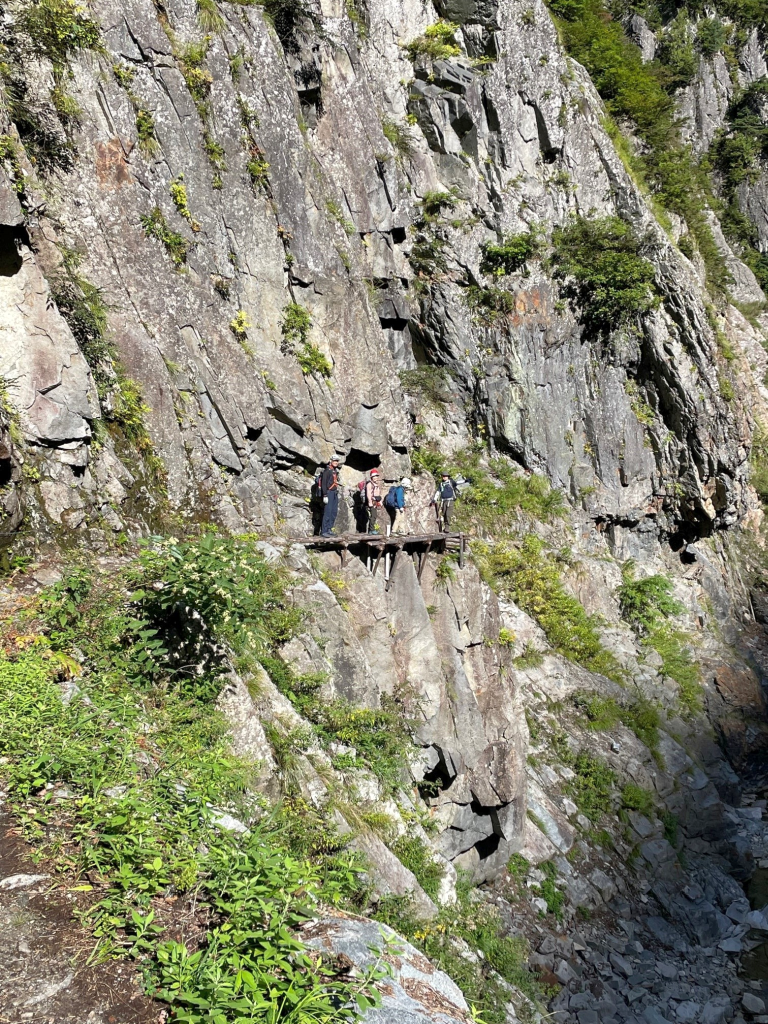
point(329, 489)
point(395, 505)
point(374, 503)
point(445, 495)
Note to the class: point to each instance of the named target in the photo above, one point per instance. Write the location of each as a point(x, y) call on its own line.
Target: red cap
point(374, 472)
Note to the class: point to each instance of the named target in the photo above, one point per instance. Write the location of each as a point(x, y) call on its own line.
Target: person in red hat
point(374, 502)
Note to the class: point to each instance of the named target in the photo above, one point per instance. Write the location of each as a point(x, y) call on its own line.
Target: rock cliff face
point(235, 241)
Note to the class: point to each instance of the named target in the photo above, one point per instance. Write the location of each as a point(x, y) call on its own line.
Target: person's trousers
point(446, 509)
point(376, 520)
point(330, 511)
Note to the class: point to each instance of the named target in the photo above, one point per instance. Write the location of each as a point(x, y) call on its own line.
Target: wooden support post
point(423, 560)
point(378, 558)
point(461, 550)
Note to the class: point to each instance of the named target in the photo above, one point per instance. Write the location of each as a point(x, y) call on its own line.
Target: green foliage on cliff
point(156, 226)
point(509, 255)
point(533, 579)
point(438, 42)
point(478, 924)
point(122, 778)
point(83, 307)
point(642, 93)
point(57, 28)
point(647, 604)
point(612, 280)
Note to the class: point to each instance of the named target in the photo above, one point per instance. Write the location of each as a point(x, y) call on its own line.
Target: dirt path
point(44, 977)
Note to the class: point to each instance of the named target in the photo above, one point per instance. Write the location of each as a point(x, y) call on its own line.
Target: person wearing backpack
point(329, 489)
point(374, 502)
point(445, 495)
point(395, 504)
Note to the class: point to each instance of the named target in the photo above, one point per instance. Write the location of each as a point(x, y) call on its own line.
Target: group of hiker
point(381, 510)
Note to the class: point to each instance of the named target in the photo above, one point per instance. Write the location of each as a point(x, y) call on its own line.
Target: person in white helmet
point(395, 503)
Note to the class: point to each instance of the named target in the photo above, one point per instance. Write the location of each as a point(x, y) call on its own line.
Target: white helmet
point(406, 482)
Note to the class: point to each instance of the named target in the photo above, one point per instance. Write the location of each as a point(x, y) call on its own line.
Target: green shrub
point(57, 28)
point(433, 203)
point(145, 132)
point(644, 719)
point(156, 226)
point(532, 579)
point(238, 596)
point(635, 798)
point(549, 891)
point(415, 855)
point(429, 382)
point(480, 926)
point(199, 80)
point(592, 785)
point(438, 42)
point(601, 713)
point(509, 255)
point(490, 305)
point(677, 54)
point(147, 833)
point(642, 93)
point(612, 280)
point(312, 360)
point(398, 135)
point(296, 324)
point(711, 36)
point(646, 602)
point(498, 493)
point(426, 256)
point(83, 307)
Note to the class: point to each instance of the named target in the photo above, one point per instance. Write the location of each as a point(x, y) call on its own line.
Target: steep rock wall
point(330, 225)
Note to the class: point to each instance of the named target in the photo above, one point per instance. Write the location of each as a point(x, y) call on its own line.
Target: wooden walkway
point(376, 545)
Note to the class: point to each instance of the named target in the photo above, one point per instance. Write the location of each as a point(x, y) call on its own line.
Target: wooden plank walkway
point(417, 544)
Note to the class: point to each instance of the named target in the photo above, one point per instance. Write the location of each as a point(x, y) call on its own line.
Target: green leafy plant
point(509, 255)
point(398, 135)
point(156, 226)
point(592, 785)
point(415, 855)
point(178, 191)
point(438, 42)
point(613, 281)
point(491, 306)
point(533, 580)
point(313, 361)
point(296, 324)
point(549, 891)
point(145, 833)
point(432, 383)
point(57, 28)
point(635, 798)
point(433, 203)
point(83, 307)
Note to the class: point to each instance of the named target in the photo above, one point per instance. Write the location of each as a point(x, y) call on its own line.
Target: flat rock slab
point(416, 992)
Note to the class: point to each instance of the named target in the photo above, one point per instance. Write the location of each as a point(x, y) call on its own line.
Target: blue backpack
point(389, 499)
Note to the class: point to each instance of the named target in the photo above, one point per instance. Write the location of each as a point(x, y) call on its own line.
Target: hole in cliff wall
point(311, 106)
point(398, 235)
point(436, 780)
point(253, 433)
point(488, 846)
point(393, 323)
point(362, 462)
point(6, 472)
point(10, 257)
